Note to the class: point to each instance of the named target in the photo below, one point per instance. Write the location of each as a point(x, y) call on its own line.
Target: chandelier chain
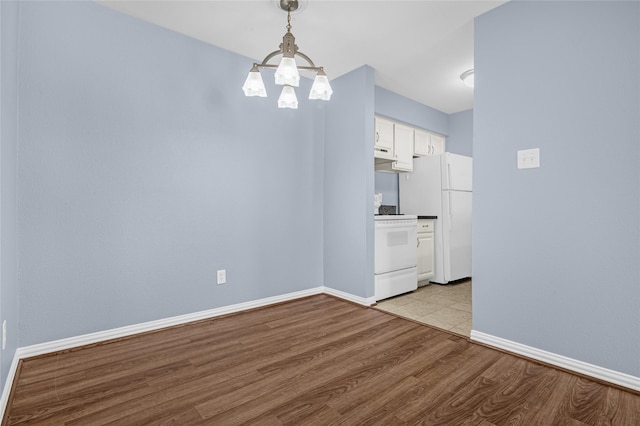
point(289, 18)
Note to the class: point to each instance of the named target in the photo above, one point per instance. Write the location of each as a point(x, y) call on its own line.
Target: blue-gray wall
point(349, 184)
point(399, 108)
point(460, 138)
point(8, 174)
point(387, 185)
point(143, 169)
point(556, 249)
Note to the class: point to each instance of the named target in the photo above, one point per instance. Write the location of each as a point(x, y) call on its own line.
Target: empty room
point(192, 196)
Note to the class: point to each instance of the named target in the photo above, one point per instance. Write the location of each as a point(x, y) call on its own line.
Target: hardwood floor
point(314, 361)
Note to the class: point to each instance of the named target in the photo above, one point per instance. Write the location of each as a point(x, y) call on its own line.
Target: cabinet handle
point(377, 137)
point(418, 239)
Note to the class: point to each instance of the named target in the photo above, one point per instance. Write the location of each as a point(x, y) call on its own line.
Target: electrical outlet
point(222, 276)
point(529, 158)
point(4, 334)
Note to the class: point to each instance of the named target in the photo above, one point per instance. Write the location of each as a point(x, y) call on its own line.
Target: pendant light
point(288, 98)
point(287, 71)
point(253, 85)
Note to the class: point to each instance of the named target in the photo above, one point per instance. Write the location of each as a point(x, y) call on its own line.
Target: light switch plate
point(529, 158)
point(222, 276)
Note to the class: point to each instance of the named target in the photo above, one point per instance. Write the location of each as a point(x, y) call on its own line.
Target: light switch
point(529, 158)
point(222, 276)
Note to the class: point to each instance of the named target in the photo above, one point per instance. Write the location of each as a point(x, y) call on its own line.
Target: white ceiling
point(418, 48)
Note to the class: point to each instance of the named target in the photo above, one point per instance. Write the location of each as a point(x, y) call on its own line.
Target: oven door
point(395, 245)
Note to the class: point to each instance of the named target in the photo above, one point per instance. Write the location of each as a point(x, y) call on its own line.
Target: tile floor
point(443, 306)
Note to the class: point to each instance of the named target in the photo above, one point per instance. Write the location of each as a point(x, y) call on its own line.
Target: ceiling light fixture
point(287, 73)
point(467, 77)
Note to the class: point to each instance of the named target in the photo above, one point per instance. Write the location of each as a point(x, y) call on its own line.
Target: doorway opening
point(447, 307)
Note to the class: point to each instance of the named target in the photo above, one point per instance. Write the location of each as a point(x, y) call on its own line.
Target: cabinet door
point(403, 148)
point(425, 256)
point(422, 143)
point(384, 135)
point(437, 145)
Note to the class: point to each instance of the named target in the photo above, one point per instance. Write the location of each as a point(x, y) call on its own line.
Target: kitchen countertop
point(395, 217)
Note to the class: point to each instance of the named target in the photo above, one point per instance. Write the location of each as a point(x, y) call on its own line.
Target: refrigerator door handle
point(450, 212)
point(449, 175)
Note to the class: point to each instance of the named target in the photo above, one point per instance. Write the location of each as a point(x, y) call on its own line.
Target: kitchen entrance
point(438, 192)
point(444, 306)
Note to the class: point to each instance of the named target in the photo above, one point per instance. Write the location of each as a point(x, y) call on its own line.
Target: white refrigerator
point(440, 185)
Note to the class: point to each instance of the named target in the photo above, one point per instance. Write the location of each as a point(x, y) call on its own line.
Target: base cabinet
point(425, 249)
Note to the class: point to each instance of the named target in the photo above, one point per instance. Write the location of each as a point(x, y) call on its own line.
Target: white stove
point(395, 255)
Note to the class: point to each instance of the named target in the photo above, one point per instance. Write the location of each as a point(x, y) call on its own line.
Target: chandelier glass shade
point(253, 85)
point(321, 89)
point(287, 71)
point(288, 98)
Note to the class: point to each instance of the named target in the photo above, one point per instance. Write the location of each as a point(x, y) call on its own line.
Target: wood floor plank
point(444, 378)
point(589, 402)
point(627, 410)
point(317, 360)
point(512, 395)
point(356, 376)
point(368, 397)
point(296, 377)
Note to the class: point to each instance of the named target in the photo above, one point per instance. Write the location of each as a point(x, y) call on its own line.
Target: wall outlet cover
point(529, 158)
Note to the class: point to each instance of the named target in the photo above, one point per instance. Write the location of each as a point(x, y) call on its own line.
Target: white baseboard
point(611, 376)
point(365, 301)
point(7, 386)
point(87, 339)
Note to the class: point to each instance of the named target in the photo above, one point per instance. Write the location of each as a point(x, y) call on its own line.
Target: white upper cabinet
point(383, 139)
point(437, 144)
point(422, 144)
point(403, 148)
point(427, 143)
point(397, 144)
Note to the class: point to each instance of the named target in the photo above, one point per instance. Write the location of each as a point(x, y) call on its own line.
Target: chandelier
point(287, 74)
